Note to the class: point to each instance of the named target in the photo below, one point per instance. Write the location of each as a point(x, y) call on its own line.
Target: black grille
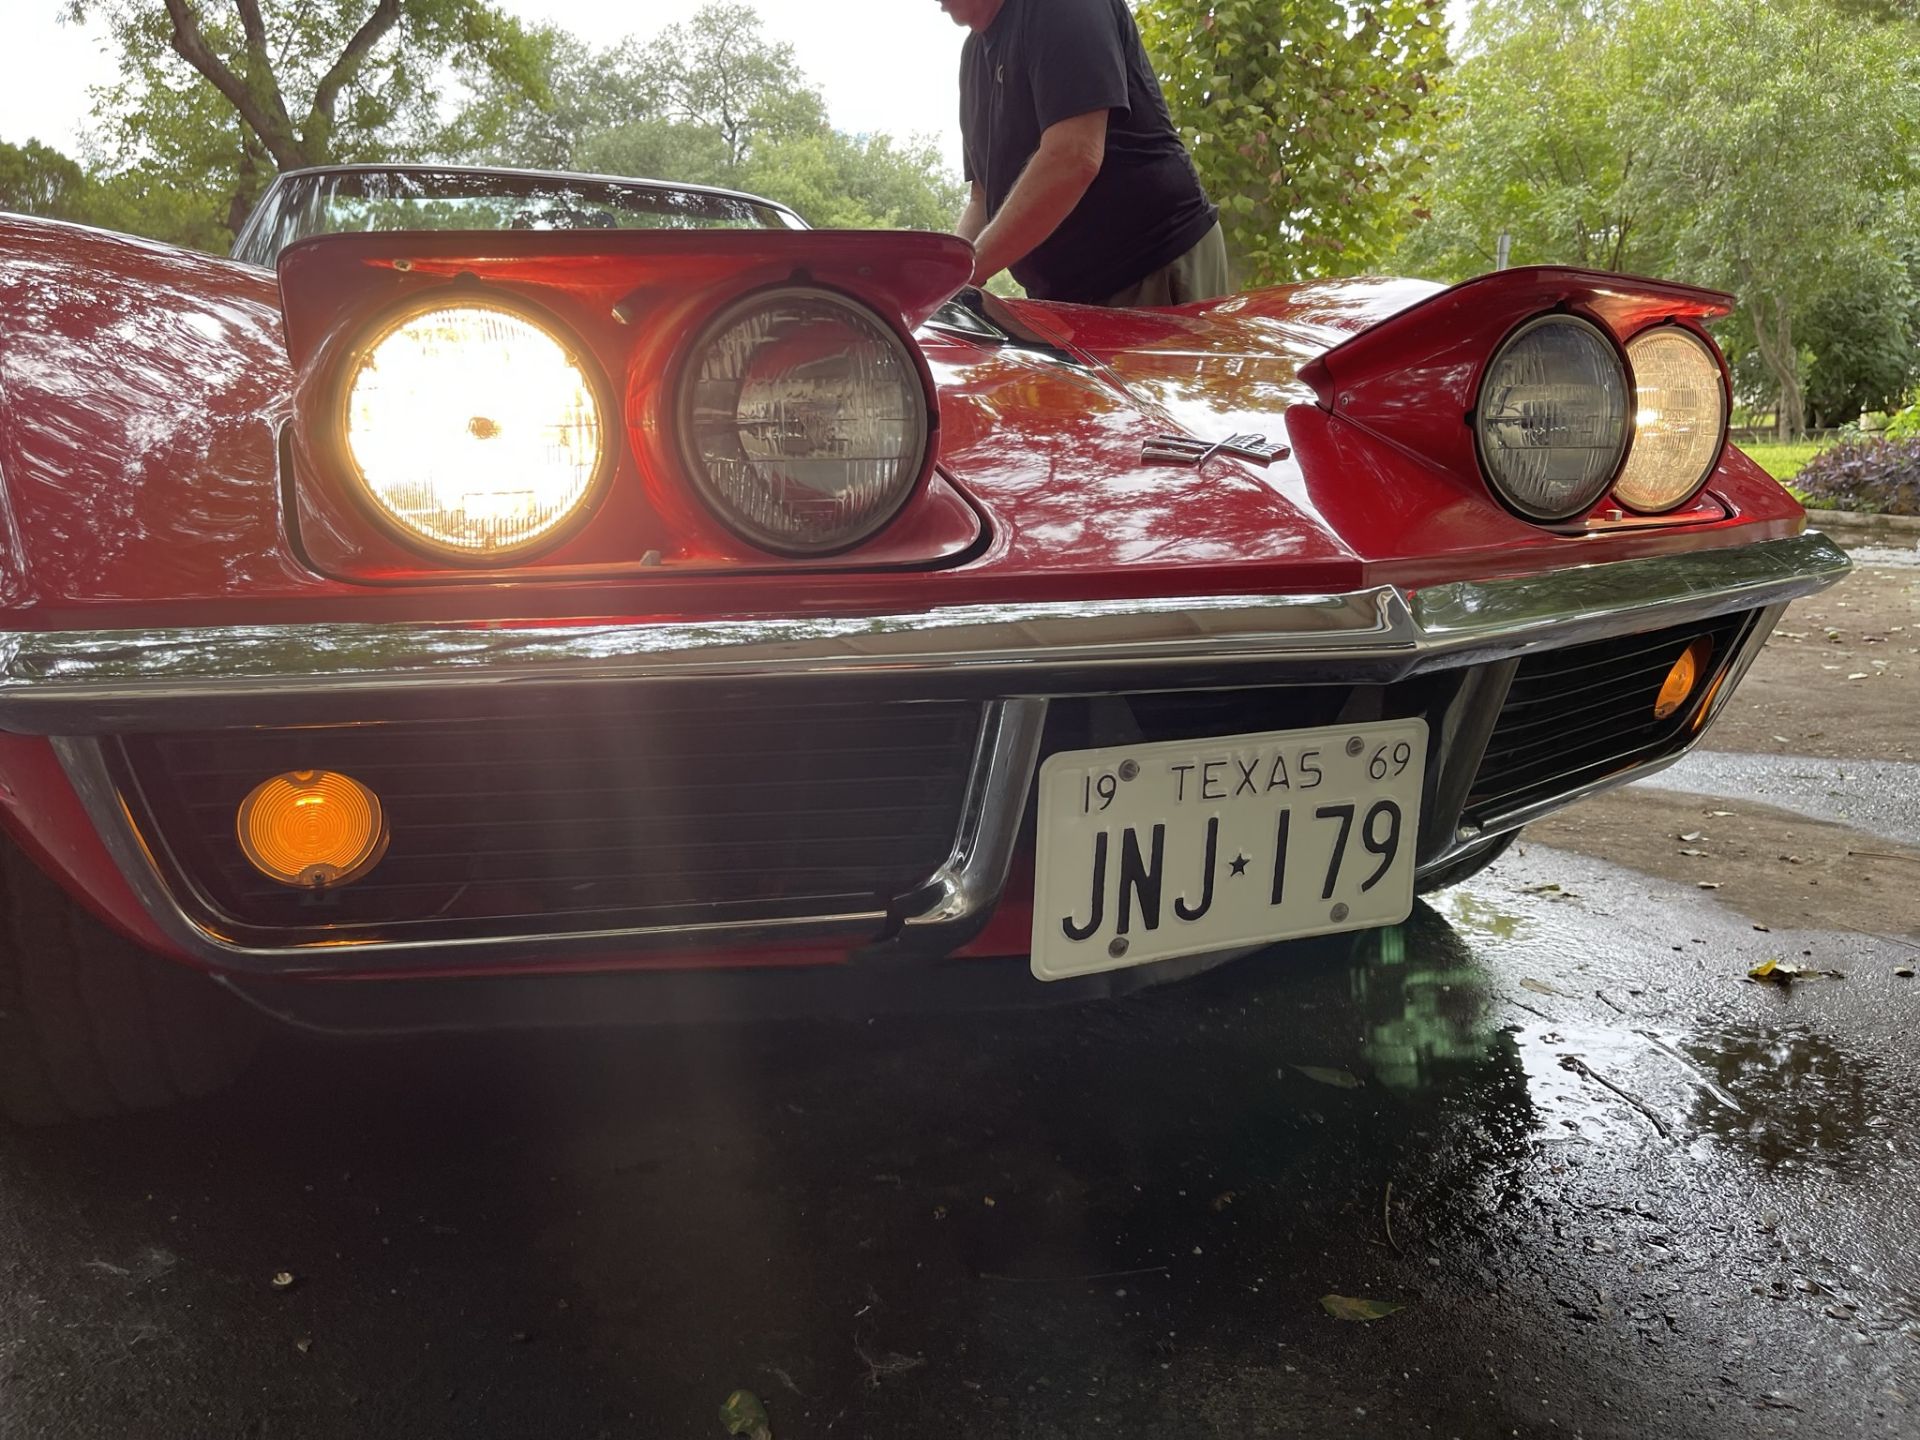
point(1578, 715)
point(587, 816)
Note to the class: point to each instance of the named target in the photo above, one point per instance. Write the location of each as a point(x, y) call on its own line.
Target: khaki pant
point(1200, 274)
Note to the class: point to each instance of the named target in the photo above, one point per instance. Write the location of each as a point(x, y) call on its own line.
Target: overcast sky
point(884, 65)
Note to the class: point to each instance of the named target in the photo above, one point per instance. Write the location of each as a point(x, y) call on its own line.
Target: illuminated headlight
point(1552, 418)
point(1680, 418)
point(803, 420)
point(473, 429)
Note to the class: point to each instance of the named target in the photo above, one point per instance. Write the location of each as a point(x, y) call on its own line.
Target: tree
point(1311, 121)
point(278, 84)
point(719, 73)
point(856, 181)
point(36, 179)
point(1860, 344)
point(712, 102)
point(1781, 193)
point(1536, 145)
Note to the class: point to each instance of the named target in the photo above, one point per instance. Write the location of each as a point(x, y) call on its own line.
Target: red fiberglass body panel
point(142, 389)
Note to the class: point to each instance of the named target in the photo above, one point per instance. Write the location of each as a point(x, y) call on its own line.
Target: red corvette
point(507, 598)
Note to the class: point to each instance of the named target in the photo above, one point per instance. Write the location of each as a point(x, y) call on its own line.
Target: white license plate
point(1147, 852)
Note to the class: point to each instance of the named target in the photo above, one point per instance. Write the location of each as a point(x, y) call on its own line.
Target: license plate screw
point(1129, 769)
point(1117, 946)
point(1339, 914)
point(1356, 745)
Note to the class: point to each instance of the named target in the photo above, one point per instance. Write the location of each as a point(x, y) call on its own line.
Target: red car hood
point(142, 389)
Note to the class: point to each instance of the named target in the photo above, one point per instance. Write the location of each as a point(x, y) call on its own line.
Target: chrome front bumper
point(83, 682)
point(75, 686)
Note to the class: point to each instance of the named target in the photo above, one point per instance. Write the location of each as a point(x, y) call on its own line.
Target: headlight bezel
point(1475, 414)
point(685, 375)
point(1719, 359)
point(381, 325)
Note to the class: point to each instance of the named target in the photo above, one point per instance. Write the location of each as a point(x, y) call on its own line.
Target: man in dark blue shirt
point(1079, 183)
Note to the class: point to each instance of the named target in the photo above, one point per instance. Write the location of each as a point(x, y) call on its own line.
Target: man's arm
point(973, 219)
point(1055, 178)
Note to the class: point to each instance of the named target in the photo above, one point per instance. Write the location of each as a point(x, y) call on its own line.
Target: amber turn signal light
point(1683, 678)
point(312, 828)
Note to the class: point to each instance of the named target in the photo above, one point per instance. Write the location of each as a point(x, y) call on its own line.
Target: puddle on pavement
point(1802, 1098)
point(1423, 1001)
point(1480, 916)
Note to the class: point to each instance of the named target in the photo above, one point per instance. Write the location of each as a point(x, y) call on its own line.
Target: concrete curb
point(1851, 527)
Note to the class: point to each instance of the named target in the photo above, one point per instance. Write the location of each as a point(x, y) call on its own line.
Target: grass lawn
point(1783, 462)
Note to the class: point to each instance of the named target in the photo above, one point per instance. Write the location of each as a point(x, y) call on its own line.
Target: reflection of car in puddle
point(1804, 1098)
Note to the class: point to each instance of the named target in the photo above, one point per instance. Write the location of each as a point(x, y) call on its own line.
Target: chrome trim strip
point(87, 768)
point(1673, 589)
point(969, 884)
point(87, 682)
point(92, 682)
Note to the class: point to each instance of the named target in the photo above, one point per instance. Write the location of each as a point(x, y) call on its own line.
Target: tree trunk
point(1793, 405)
point(1773, 337)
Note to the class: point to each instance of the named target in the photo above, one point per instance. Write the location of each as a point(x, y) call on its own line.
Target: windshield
point(328, 202)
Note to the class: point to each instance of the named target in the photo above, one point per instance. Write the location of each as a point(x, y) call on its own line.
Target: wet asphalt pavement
point(1618, 1188)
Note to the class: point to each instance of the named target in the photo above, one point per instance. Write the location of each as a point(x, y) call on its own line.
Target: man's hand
point(1062, 168)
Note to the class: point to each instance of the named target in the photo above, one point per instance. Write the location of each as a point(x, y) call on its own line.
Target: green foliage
point(36, 179)
point(1533, 145)
point(1878, 476)
point(713, 102)
point(203, 113)
point(856, 181)
point(1783, 461)
point(1861, 338)
point(1905, 424)
point(209, 104)
point(1310, 121)
point(718, 73)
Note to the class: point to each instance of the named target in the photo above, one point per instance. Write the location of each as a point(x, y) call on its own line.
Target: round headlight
point(1680, 419)
point(474, 430)
point(1552, 418)
point(803, 420)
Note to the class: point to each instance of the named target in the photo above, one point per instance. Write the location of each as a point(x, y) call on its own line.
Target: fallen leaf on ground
point(743, 1414)
point(1777, 972)
point(1345, 1307)
point(1540, 987)
point(1540, 890)
point(1693, 835)
point(1697, 854)
point(1339, 1079)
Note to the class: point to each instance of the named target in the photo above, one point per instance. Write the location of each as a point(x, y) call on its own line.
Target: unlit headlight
point(473, 429)
point(1552, 418)
point(803, 420)
point(1680, 418)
